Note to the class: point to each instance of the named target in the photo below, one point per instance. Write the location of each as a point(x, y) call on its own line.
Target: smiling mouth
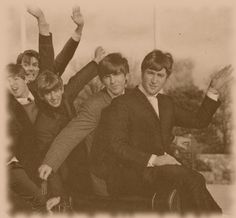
point(14, 89)
point(153, 87)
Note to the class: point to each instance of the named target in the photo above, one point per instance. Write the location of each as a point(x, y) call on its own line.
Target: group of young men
point(124, 134)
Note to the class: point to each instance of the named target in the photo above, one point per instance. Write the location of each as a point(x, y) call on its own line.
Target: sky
point(199, 30)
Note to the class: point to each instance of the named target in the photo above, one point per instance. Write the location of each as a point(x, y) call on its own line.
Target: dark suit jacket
point(130, 131)
point(23, 138)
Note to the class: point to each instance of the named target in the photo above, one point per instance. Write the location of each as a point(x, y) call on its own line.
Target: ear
point(62, 89)
point(26, 79)
point(127, 78)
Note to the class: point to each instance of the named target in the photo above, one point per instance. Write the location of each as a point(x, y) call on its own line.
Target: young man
point(23, 152)
point(57, 108)
point(35, 62)
point(131, 149)
point(113, 70)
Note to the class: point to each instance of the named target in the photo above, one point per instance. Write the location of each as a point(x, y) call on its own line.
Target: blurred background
point(199, 35)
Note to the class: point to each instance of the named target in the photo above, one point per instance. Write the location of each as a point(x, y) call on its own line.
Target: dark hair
point(48, 81)
point(28, 54)
point(157, 60)
point(112, 64)
point(16, 70)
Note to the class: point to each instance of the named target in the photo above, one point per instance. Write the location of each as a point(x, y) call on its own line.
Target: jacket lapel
point(19, 112)
point(147, 105)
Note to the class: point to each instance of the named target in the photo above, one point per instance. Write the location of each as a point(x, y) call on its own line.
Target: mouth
point(153, 86)
point(14, 89)
point(115, 87)
point(55, 102)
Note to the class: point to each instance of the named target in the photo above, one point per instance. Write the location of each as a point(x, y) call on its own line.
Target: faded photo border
point(130, 24)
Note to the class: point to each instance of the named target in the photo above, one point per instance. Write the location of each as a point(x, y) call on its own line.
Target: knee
point(198, 179)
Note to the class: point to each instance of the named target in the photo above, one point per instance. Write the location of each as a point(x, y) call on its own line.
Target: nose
point(30, 67)
point(53, 95)
point(155, 79)
point(112, 79)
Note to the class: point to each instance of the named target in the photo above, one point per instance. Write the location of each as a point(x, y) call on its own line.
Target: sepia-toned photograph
point(119, 107)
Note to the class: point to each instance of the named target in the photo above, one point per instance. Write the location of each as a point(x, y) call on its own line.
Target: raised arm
point(46, 51)
point(82, 77)
point(203, 116)
point(66, 54)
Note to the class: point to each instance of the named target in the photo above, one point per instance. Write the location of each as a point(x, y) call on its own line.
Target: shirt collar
point(26, 100)
point(148, 95)
point(114, 96)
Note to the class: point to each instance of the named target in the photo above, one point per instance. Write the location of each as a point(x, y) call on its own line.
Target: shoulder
point(96, 102)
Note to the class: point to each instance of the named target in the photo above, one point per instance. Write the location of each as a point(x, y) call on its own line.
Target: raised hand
point(36, 12)
point(44, 171)
point(99, 54)
point(221, 78)
point(77, 17)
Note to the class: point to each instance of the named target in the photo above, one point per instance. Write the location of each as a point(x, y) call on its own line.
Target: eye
point(35, 64)
point(160, 75)
point(25, 64)
point(106, 76)
point(150, 73)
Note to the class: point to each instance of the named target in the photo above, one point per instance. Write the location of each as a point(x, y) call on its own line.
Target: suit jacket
point(80, 127)
point(23, 138)
point(130, 131)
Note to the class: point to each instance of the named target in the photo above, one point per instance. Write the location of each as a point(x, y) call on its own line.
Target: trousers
point(189, 183)
point(22, 185)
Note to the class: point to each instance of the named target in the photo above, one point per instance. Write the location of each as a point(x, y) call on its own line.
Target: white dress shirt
point(211, 93)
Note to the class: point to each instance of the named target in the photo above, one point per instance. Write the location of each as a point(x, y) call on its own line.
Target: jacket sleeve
point(77, 82)
point(14, 131)
point(44, 137)
point(46, 53)
point(77, 129)
point(64, 57)
point(197, 120)
point(112, 137)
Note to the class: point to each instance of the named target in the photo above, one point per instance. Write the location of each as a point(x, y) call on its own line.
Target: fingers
point(44, 172)
point(226, 82)
point(44, 187)
point(76, 10)
point(35, 11)
point(77, 16)
point(223, 72)
point(99, 51)
point(222, 77)
point(52, 202)
point(99, 54)
point(177, 162)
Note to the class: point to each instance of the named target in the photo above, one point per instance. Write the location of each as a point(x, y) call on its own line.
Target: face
point(153, 81)
point(18, 87)
point(54, 97)
point(115, 83)
point(31, 66)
